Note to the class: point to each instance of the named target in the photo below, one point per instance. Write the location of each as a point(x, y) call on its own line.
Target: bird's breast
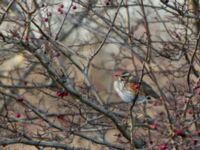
point(124, 93)
point(127, 94)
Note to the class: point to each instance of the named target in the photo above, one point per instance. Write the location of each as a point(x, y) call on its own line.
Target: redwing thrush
point(127, 86)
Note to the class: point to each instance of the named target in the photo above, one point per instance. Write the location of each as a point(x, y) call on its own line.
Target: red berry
point(20, 98)
point(198, 132)
point(153, 126)
point(57, 54)
point(61, 6)
point(58, 93)
point(161, 113)
point(61, 117)
point(190, 111)
point(194, 142)
point(163, 146)
point(46, 19)
point(74, 7)
point(155, 103)
point(17, 115)
point(180, 132)
point(27, 39)
point(14, 33)
point(62, 94)
point(59, 9)
point(65, 93)
point(197, 86)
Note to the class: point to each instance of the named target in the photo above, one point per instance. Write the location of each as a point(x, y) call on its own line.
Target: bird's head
point(125, 76)
point(122, 75)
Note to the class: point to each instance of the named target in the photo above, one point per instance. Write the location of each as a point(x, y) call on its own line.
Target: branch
point(191, 62)
point(76, 94)
point(6, 11)
point(37, 143)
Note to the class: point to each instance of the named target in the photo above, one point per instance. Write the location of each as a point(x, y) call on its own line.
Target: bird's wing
point(148, 90)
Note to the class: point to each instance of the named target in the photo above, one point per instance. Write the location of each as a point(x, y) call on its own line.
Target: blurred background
point(84, 42)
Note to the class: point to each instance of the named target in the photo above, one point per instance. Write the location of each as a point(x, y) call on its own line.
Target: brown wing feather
point(148, 90)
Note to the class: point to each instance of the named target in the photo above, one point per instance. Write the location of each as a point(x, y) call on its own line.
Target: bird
point(127, 86)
